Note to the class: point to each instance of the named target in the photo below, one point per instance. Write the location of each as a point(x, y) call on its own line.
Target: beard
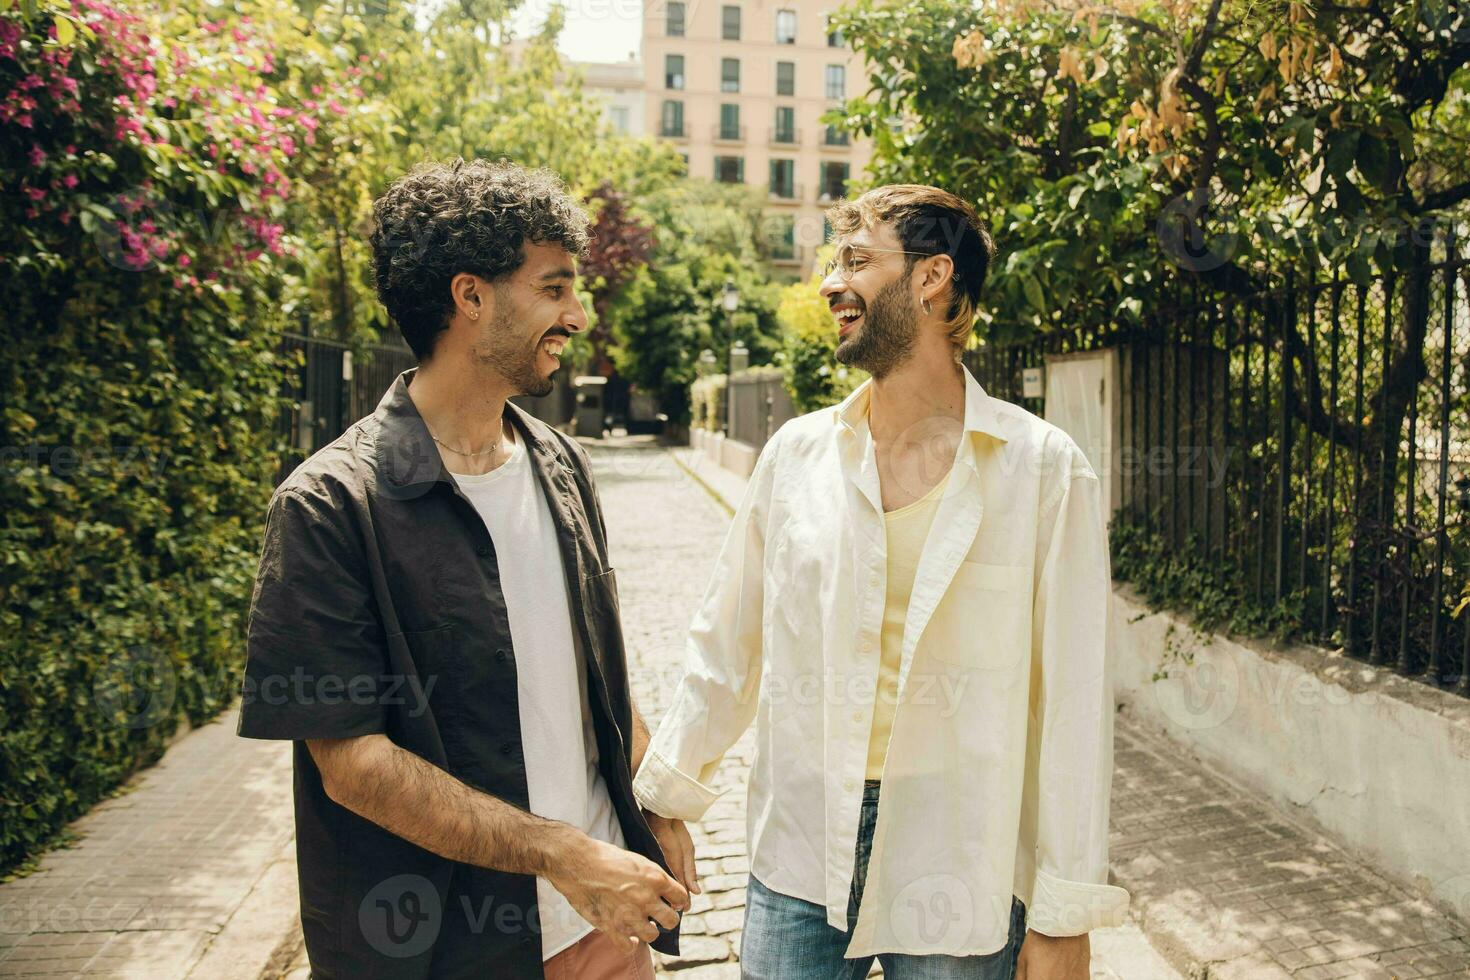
point(886, 338)
point(503, 352)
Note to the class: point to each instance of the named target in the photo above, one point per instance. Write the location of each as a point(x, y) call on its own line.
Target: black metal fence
point(1312, 441)
point(330, 387)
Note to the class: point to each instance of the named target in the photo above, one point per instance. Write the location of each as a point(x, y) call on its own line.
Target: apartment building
point(740, 88)
point(618, 87)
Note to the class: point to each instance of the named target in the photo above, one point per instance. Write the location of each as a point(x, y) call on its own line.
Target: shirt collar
point(404, 454)
point(981, 411)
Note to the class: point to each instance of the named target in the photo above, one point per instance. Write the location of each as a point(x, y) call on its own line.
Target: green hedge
point(141, 320)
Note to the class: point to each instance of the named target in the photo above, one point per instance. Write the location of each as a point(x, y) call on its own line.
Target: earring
point(474, 314)
point(928, 308)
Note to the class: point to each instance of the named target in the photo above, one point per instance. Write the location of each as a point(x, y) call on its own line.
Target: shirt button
point(500, 655)
point(847, 784)
point(508, 748)
point(857, 716)
point(482, 550)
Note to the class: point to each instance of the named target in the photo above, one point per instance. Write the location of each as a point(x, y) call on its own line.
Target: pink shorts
point(595, 957)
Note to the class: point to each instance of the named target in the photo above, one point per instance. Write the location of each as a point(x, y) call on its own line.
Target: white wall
point(1376, 761)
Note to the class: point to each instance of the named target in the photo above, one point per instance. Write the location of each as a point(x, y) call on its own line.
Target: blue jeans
point(786, 938)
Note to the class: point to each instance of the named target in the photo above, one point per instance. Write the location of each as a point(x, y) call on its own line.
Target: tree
point(621, 245)
point(705, 235)
point(1128, 154)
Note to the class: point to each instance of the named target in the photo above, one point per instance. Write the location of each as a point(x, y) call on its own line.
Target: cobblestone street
point(664, 531)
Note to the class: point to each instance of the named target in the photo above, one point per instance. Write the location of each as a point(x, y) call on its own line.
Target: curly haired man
point(435, 626)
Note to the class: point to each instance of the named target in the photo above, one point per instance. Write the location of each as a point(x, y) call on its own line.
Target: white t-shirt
point(557, 737)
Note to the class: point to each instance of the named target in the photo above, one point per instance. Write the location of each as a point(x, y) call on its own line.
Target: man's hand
point(618, 891)
point(678, 847)
point(1054, 957)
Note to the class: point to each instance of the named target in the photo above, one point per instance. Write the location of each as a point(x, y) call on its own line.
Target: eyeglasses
point(849, 259)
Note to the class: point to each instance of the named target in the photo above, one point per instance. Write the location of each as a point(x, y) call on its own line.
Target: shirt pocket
point(984, 619)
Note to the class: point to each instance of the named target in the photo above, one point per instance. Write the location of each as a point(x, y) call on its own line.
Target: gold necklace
point(457, 452)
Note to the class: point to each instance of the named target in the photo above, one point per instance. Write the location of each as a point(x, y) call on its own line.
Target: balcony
point(836, 142)
point(785, 136)
point(673, 132)
point(727, 134)
point(785, 193)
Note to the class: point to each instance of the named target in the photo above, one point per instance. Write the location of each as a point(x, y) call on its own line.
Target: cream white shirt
point(999, 766)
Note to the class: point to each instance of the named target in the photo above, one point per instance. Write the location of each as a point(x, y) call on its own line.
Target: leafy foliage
point(1110, 146)
point(143, 307)
point(670, 312)
point(1169, 577)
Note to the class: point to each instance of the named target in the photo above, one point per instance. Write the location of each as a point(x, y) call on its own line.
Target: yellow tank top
point(906, 529)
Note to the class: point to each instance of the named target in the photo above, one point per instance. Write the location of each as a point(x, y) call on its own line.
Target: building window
point(785, 27)
point(617, 117)
point(785, 78)
point(834, 181)
point(674, 20)
point(782, 231)
point(835, 38)
point(835, 136)
point(729, 74)
point(785, 129)
point(673, 118)
point(783, 178)
point(730, 170)
point(730, 23)
point(729, 121)
point(674, 71)
point(836, 81)
point(826, 229)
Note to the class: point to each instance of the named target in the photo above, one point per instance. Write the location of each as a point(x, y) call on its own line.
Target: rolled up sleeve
point(716, 699)
point(315, 655)
point(1071, 766)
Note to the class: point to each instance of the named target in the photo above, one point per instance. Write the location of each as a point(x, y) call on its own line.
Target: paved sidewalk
point(1224, 886)
point(163, 871)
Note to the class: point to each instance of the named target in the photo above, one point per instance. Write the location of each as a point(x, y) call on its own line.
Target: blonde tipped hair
point(930, 221)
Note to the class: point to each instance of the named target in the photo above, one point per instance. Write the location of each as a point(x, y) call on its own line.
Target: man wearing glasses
point(913, 602)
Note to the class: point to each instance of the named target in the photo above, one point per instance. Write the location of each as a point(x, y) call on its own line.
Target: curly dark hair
point(441, 219)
